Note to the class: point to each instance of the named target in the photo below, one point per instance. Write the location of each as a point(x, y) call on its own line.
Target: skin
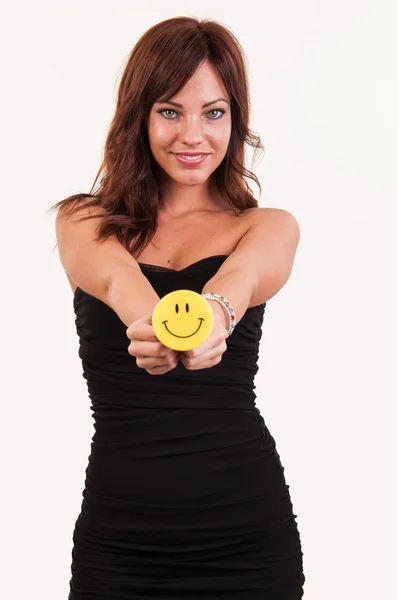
point(188, 191)
point(192, 129)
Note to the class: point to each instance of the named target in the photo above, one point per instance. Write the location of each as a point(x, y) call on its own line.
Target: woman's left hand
point(210, 352)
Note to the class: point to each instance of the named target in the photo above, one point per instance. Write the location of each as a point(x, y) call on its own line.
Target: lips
point(191, 153)
point(193, 158)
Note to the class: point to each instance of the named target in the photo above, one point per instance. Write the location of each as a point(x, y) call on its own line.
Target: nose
point(191, 131)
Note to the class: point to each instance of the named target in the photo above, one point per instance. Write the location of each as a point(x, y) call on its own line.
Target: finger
point(160, 370)
point(150, 349)
point(204, 364)
point(210, 355)
point(145, 320)
point(144, 333)
point(214, 342)
point(148, 362)
point(170, 358)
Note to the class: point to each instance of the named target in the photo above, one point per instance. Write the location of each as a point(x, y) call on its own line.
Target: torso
point(182, 241)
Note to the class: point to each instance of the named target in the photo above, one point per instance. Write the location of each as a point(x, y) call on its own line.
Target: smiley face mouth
point(184, 336)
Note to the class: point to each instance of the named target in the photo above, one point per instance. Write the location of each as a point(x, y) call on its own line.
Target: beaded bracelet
point(227, 307)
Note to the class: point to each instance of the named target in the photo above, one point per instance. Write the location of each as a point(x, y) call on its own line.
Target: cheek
point(158, 134)
point(221, 135)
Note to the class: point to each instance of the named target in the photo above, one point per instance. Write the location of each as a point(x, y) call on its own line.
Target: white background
point(324, 91)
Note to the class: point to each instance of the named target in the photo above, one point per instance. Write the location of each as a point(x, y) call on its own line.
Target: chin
point(188, 178)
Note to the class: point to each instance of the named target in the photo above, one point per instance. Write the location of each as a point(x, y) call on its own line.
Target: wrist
point(226, 307)
point(219, 313)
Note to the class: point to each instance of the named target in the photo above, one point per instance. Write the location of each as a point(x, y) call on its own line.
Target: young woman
point(185, 495)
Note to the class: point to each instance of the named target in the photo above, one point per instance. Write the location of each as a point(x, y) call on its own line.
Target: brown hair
point(128, 189)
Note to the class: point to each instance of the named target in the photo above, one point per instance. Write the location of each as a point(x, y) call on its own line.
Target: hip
point(186, 457)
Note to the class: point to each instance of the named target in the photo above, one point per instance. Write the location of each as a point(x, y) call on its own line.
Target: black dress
point(185, 495)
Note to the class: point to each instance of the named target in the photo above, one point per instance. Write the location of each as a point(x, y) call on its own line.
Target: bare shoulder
point(264, 214)
point(275, 221)
point(267, 210)
point(81, 208)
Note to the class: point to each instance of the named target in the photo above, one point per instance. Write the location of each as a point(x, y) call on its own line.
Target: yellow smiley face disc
point(182, 320)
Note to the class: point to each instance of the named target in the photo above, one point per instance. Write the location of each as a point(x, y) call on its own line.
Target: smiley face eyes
point(186, 308)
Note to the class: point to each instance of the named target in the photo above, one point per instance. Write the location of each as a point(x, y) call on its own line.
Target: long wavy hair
point(128, 187)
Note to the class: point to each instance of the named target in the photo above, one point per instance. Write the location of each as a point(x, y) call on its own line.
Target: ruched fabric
point(185, 495)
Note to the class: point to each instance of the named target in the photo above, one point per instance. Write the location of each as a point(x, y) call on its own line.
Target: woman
point(185, 495)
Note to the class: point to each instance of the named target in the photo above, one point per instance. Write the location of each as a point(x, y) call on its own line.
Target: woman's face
point(192, 127)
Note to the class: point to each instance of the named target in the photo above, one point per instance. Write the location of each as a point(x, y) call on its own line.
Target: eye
point(220, 110)
point(164, 110)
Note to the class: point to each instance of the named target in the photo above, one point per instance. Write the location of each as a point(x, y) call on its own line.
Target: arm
point(261, 263)
point(130, 294)
point(105, 270)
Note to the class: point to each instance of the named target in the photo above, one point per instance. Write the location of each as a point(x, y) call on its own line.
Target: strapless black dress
point(185, 495)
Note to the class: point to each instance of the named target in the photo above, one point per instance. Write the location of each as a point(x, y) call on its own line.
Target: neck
point(178, 200)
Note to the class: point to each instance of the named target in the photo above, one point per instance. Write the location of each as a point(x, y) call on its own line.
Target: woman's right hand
point(150, 354)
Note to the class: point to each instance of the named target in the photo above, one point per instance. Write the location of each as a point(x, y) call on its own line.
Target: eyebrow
point(181, 106)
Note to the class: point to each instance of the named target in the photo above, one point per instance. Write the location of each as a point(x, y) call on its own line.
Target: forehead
point(204, 86)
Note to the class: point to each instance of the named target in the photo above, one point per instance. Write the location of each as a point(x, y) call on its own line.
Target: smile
point(190, 160)
point(184, 336)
